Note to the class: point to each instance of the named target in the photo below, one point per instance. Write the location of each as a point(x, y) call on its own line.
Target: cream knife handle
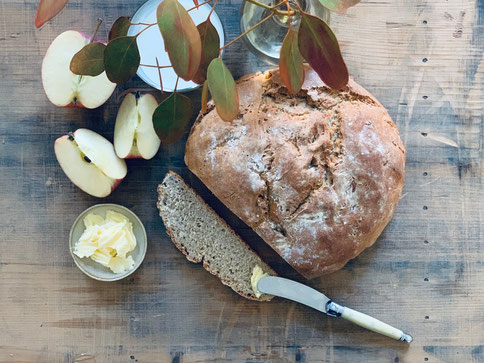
point(367, 322)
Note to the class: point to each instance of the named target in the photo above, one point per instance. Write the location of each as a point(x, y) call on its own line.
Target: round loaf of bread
point(317, 175)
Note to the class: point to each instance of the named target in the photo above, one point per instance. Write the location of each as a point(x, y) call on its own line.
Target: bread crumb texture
point(202, 236)
point(317, 175)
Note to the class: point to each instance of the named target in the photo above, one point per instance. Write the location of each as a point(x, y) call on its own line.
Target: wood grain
point(422, 59)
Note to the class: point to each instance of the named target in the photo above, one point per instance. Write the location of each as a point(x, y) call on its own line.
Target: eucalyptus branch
point(159, 74)
point(211, 10)
point(149, 26)
point(273, 8)
point(247, 31)
point(99, 21)
point(142, 23)
point(196, 7)
point(153, 66)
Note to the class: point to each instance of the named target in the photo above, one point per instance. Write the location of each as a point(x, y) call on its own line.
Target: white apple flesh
point(134, 135)
point(89, 161)
point(64, 88)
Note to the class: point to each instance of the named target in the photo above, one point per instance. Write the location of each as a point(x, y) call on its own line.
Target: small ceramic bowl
point(96, 270)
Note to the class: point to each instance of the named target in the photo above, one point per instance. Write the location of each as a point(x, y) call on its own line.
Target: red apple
point(89, 161)
point(64, 88)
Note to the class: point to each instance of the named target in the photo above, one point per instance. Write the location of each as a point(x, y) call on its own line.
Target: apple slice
point(89, 161)
point(134, 135)
point(66, 89)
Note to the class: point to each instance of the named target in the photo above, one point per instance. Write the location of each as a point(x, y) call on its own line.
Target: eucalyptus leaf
point(204, 99)
point(338, 5)
point(291, 63)
point(47, 9)
point(223, 90)
point(319, 47)
point(120, 27)
point(121, 59)
point(210, 49)
point(172, 116)
point(89, 61)
point(181, 38)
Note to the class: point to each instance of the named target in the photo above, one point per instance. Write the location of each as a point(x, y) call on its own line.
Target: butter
point(108, 241)
point(257, 274)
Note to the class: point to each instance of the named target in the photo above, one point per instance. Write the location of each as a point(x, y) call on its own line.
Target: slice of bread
point(198, 232)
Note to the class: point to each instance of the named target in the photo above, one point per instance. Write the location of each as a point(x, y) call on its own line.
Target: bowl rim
point(116, 277)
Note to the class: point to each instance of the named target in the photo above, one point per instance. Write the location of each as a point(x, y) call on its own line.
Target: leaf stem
point(195, 7)
point(153, 66)
point(176, 84)
point(272, 8)
point(159, 74)
point(99, 21)
point(149, 26)
point(142, 23)
point(247, 31)
point(211, 10)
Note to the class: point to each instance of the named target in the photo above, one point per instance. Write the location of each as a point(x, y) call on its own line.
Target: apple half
point(64, 88)
point(134, 135)
point(89, 161)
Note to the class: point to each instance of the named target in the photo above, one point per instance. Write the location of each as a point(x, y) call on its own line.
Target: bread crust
point(206, 266)
point(317, 175)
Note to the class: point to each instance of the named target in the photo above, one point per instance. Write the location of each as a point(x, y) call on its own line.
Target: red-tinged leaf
point(210, 49)
point(181, 37)
point(319, 47)
point(121, 59)
point(171, 117)
point(120, 27)
point(223, 90)
point(47, 9)
point(338, 5)
point(291, 63)
point(204, 97)
point(89, 61)
point(195, 2)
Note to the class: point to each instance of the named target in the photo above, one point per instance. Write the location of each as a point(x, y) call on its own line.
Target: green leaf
point(181, 38)
point(223, 90)
point(319, 47)
point(120, 27)
point(204, 97)
point(47, 9)
point(171, 117)
point(291, 63)
point(89, 61)
point(121, 59)
point(338, 5)
point(210, 49)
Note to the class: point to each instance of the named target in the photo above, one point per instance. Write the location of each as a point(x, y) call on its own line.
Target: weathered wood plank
point(425, 273)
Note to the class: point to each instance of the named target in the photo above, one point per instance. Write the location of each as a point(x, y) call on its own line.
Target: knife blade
point(295, 291)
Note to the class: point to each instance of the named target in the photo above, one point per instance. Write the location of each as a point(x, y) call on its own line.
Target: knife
point(303, 294)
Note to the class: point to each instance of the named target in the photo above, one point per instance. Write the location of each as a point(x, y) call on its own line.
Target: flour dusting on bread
point(317, 175)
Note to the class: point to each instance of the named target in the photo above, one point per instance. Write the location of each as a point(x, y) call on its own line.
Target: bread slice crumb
point(202, 236)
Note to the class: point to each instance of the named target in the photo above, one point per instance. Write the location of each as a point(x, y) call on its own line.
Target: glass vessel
point(266, 40)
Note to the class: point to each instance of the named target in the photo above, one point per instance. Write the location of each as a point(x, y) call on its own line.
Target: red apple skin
point(134, 156)
point(114, 185)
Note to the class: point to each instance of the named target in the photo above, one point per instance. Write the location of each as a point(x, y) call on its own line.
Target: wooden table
point(422, 59)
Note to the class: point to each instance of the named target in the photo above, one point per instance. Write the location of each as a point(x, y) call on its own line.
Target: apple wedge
point(89, 161)
point(134, 135)
point(64, 88)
